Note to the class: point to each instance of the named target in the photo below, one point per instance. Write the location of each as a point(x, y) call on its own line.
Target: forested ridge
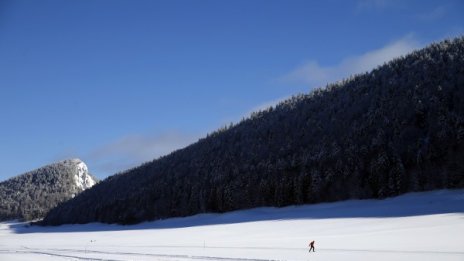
point(31, 195)
point(396, 129)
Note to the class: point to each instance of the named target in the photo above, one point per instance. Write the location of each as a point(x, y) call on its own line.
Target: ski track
point(77, 254)
point(52, 252)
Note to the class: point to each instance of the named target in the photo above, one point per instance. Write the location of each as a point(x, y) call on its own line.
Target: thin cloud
point(313, 74)
point(131, 151)
point(267, 105)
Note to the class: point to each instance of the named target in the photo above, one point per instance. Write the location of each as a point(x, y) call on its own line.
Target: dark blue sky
point(117, 83)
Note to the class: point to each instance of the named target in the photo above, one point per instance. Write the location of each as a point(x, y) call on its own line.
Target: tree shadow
point(411, 204)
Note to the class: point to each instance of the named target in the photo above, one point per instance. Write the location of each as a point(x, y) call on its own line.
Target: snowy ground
point(417, 226)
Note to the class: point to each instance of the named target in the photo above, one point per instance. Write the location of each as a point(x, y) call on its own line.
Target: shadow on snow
point(411, 204)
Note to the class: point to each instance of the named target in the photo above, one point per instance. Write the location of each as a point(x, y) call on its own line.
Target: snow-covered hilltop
point(33, 194)
point(82, 178)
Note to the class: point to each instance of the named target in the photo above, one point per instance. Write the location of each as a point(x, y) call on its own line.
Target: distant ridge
point(397, 129)
point(31, 195)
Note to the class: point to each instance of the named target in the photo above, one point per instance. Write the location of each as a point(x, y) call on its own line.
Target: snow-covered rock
point(82, 178)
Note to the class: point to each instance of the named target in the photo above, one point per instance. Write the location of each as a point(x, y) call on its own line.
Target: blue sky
point(118, 83)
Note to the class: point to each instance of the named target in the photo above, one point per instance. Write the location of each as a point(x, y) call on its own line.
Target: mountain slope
point(33, 194)
point(396, 129)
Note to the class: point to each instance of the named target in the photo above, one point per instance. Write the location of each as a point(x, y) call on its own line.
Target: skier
point(311, 246)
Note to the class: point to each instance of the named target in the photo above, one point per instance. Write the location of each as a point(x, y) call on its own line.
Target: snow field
point(351, 230)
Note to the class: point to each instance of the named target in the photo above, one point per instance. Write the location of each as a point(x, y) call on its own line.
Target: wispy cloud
point(315, 75)
point(266, 105)
point(311, 73)
point(131, 151)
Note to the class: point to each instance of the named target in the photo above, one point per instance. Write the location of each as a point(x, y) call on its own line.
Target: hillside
point(396, 129)
point(31, 195)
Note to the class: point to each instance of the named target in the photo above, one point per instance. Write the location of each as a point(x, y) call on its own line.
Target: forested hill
point(32, 194)
point(396, 129)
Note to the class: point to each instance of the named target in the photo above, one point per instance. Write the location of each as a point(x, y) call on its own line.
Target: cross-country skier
point(311, 246)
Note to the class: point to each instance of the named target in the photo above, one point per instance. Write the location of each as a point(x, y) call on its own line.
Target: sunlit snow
point(82, 178)
point(416, 226)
